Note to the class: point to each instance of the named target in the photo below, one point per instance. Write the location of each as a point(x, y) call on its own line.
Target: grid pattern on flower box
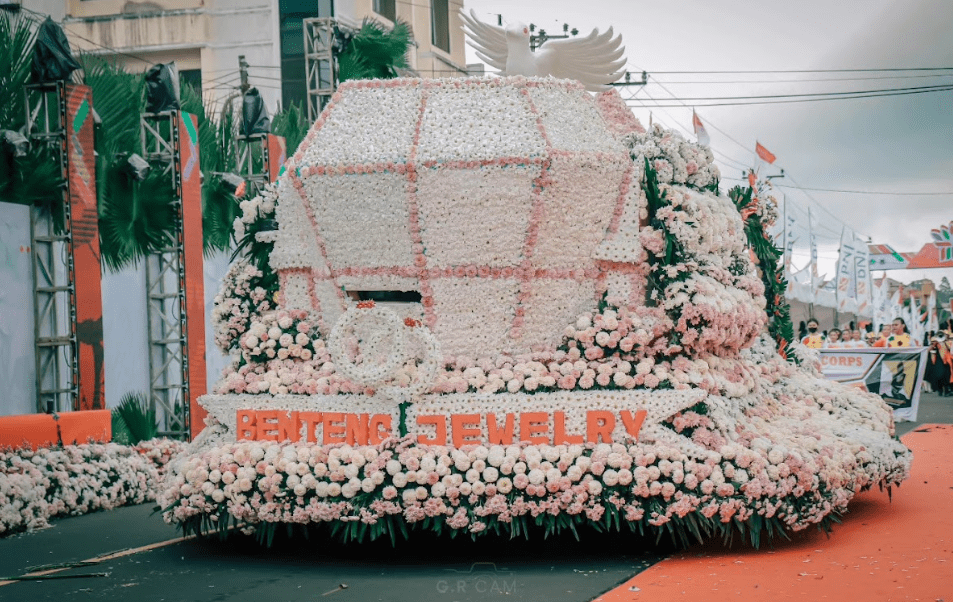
point(494, 224)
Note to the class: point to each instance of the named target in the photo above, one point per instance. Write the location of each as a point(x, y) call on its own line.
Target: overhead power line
point(881, 192)
point(804, 94)
point(803, 80)
point(862, 70)
point(819, 99)
point(797, 186)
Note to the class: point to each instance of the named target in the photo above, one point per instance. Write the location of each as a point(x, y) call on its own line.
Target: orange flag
point(764, 153)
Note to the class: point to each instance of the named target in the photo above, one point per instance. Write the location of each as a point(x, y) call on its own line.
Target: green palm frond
point(291, 125)
point(17, 34)
point(34, 180)
point(376, 51)
point(118, 98)
point(135, 218)
point(138, 417)
point(219, 210)
point(217, 154)
point(352, 65)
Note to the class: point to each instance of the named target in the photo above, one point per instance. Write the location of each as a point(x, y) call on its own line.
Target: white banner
point(846, 275)
point(896, 374)
point(864, 281)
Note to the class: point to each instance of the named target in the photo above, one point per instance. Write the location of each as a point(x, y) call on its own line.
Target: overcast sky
point(895, 144)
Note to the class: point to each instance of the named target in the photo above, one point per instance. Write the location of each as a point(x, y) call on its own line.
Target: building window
point(440, 24)
point(386, 9)
point(294, 80)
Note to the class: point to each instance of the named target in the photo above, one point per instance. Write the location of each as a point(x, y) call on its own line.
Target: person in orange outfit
point(884, 335)
point(813, 340)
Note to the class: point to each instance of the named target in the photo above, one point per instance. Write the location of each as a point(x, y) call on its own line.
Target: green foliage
point(771, 271)
point(135, 218)
point(292, 125)
point(120, 431)
point(376, 52)
point(34, 180)
point(656, 199)
point(139, 419)
point(17, 34)
point(217, 155)
point(681, 531)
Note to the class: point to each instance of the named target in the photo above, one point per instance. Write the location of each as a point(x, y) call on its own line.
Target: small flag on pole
point(700, 131)
point(764, 153)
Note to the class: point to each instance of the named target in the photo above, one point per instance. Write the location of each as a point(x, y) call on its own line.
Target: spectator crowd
point(939, 369)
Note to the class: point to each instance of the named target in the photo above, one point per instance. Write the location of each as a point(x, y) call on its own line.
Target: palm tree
point(135, 218)
point(33, 180)
point(376, 52)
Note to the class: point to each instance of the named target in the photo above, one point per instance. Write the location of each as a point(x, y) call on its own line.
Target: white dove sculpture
point(594, 60)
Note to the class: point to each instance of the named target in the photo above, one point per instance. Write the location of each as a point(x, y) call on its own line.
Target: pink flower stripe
point(497, 162)
point(620, 204)
point(402, 168)
point(413, 213)
point(532, 226)
point(481, 271)
point(617, 115)
point(299, 186)
point(596, 157)
point(411, 82)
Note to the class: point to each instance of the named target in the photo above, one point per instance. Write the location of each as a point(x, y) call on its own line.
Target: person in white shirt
point(856, 342)
point(833, 340)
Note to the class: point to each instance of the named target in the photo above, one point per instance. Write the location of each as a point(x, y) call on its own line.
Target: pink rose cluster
point(237, 303)
point(615, 348)
point(281, 354)
point(607, 349)
point(489, 488)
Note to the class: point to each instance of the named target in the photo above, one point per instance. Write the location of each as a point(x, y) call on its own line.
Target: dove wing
point(595, 60)
point(489, 41)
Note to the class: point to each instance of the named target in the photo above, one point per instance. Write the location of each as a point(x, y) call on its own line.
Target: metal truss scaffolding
point(165, 289)
point(319, 63)
point(253, 162)
point(54, 275)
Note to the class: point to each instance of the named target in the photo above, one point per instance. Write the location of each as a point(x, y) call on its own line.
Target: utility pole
point(537, 39)
point(628, 81)
point(243, 70)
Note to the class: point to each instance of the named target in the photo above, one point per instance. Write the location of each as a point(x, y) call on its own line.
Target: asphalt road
point(426, 568)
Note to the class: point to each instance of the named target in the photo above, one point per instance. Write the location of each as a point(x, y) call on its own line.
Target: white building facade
point(205, 38)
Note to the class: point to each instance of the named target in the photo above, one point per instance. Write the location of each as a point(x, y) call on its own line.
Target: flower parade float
point(501, 306)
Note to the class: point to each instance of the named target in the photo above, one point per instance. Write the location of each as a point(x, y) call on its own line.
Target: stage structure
point(174, 279)
point(67, 295)
point(320, 49)
point(260, 158)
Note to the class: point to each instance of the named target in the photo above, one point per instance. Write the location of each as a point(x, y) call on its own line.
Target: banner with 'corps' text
point(896, 374)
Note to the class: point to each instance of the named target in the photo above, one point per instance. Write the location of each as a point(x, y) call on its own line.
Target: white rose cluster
point(36, 485)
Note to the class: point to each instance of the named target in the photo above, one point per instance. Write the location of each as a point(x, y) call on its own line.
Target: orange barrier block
point(80, 427)
point(35, 430)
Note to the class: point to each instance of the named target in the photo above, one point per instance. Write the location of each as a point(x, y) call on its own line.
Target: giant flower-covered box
point(502, 304)
point(495, 200)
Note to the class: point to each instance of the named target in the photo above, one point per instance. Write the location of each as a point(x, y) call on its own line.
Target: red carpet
point(883, 550)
